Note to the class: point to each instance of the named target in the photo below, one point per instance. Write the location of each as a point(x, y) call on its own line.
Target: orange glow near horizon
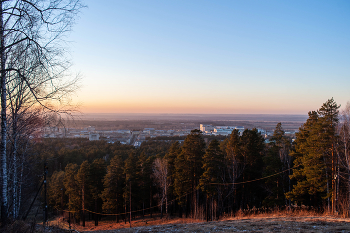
point(189, 108)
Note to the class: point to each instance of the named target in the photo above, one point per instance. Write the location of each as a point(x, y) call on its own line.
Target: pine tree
point(72, 188)
point(213, 168)
point(131, 172)
point(329, 118)
point(82, 178)
point(252, 149)
point(309, 162)
point(113, 182)
point(315, 158)
point(234, 161)
point(97, 173)
point(277, 160)
point(189, 168)
point(56, 190)
point(171, 156)
point(182, 183)
point(145, 183)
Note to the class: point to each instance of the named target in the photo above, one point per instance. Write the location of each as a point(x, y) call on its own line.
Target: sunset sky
point(285, 57)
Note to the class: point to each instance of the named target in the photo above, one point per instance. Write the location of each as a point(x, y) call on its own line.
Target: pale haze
point(211, 57)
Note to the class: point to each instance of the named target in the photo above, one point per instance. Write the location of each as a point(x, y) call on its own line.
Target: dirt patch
point(249, 224)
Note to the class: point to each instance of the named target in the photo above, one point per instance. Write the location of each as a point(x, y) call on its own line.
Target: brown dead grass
point(278, 221)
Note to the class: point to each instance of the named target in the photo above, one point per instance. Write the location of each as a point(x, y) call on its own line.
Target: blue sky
point(211, 56)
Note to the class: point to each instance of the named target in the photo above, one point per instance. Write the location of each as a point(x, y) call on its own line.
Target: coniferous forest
point(197, 178)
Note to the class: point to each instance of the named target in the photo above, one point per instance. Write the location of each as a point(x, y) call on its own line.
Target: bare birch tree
point(160, 174)
point(344, 137)
point(31, 54)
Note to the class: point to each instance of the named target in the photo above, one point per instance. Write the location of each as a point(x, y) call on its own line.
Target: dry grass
point(276, 221)
point(19, 226)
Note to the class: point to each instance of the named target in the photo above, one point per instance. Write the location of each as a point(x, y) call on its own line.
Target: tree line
point(207, 180)
point(198, 177)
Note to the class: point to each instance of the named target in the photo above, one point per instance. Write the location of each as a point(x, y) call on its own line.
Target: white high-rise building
point(206, 128)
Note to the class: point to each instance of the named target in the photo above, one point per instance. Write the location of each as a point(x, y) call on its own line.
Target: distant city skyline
point(211, 57)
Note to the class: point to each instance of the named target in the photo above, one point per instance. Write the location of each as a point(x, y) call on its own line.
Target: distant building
point(137, 143)
point(148, 130)
point(220, 130)
point(89, 129)
point(262, 131)
point(124, 131)
point(94, 136)
point(223, 130)
point(136, 132)
point(206, 128)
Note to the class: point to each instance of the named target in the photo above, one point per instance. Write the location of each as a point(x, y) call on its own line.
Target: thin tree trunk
point(83, 201)
point(338, 180)
point(20, 187)
point(14, 187)
point(15, 175)
point(348, 164)
point(328, 199)
point(207, 209)
point(96, 216)
point(349, 193)
point(117, 209)
point(166, 198)
point(212, 209)
point(289, 183)
point(233, 183)
point(125, 210)
point(333, 181)
point(150, 200)
point(4, 201)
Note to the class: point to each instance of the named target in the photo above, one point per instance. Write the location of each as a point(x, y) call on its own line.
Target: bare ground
point(283, 224)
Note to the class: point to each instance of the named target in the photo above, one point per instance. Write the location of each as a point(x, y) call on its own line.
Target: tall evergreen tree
point(145, 182)
point(113, 182)
point(309, 172)
point(235, 164)
point(252, 149)
point(97, 173)
point(213, 169)
point(182, 182)
point(277, 159)
point(189, 168)
point(56, 190)
point(131, 172)
point(316, 159)
point(171, 156)
point(329, 118)
point(82, 178)
point(72, 188)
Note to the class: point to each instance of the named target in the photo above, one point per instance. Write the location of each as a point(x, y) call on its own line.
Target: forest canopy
point(202, 178)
